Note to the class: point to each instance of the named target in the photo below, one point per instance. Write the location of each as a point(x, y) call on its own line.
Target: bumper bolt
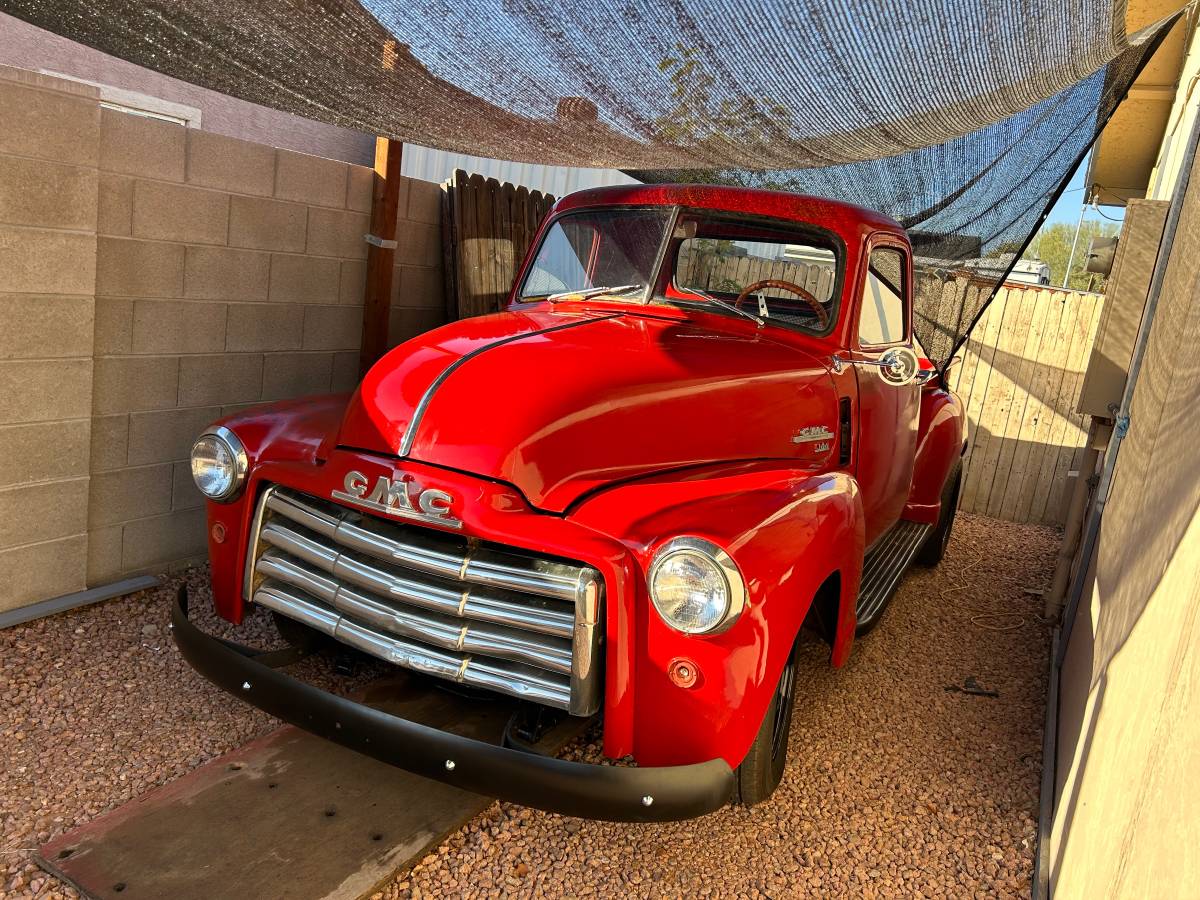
point(647, 800)
point(449, 765)
point(245, 685)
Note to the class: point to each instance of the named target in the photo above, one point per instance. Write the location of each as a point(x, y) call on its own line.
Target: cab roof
point(845, 218)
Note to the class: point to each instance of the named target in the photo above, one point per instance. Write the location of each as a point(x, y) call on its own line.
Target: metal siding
point(437, 166)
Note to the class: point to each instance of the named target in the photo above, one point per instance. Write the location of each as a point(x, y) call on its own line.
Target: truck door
point(888, 414)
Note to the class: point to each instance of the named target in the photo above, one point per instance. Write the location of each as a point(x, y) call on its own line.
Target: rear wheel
point(761, 771)
point(935, 545)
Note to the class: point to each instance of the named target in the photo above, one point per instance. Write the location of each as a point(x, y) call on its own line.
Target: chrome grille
point(476, 613)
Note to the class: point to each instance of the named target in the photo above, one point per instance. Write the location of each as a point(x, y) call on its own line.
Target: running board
point(883, 565)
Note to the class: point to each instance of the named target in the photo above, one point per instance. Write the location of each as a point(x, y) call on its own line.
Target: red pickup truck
point(701, 425)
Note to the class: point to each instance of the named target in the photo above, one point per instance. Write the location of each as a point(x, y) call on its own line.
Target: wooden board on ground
point(289, 815)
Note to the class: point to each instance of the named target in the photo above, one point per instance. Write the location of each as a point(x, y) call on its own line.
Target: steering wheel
point(800, 292)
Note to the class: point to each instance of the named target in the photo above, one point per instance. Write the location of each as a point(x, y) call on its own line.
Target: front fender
point(297, 430)
point(940, 443)
point(788, 531)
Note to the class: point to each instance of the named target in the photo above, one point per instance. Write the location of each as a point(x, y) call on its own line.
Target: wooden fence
point(720, 272)
point(486, 229)
point(1019, 380)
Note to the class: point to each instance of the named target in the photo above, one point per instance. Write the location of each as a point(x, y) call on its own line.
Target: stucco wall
point(1129, 720)
point(156, 277)
point(24, 46)
point(1183, 114)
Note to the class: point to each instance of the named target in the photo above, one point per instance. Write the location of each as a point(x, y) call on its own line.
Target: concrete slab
point(287, 816)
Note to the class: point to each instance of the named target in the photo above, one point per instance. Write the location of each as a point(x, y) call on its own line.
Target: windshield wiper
point(721, 303)
point(594, 292)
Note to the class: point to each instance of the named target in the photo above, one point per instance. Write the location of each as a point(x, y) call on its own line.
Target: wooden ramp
point(287, 816)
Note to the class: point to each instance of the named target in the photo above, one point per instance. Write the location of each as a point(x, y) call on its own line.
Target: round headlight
point(695, 586)
point(219, 464)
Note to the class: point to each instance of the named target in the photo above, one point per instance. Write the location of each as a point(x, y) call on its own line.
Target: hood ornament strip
point(410, 432)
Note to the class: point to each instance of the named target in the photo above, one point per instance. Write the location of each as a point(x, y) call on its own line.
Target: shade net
point(960, 119)
point(972, 203)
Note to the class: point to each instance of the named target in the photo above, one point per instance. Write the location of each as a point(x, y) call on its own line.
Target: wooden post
point(381, 252)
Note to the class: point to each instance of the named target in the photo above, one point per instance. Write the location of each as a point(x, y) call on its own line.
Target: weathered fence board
point(1019, 380)
point(1035, 423)
point(1054, 434)
point(714, 271)
point(490, 227)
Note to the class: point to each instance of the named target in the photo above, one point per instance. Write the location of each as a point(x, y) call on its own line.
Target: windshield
point(770, 270)
point(787, 273)
point(592, 249)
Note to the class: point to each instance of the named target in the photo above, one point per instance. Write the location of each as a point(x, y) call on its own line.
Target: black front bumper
point(615, 793)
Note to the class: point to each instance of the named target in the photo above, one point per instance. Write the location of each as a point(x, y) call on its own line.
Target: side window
point(882, 318)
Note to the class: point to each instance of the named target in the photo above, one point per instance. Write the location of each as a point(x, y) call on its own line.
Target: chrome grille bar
point(445, 599)
point(549, 653)
point(516, 681)
point(434, 555)
point(440, 604)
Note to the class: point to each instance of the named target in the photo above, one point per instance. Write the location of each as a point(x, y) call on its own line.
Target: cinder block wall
point(49, 153)
point(224, 274)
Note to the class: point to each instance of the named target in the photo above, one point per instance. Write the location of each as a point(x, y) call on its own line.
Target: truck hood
point(559, 403)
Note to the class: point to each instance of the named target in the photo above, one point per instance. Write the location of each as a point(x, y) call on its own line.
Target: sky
point(1067, 207)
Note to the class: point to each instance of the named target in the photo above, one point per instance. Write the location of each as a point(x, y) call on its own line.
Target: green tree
point(1053, 247)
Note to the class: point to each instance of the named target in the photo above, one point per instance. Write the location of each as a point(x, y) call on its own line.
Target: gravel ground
point(97, 707)
point(895, 786)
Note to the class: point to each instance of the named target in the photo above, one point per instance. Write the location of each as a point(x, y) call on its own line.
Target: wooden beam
point(381, 252)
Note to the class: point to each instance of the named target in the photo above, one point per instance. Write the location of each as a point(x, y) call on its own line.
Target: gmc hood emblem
point(400, 497)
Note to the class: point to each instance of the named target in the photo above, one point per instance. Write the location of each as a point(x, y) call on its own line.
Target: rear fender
point(787, 531)
point(940, 443)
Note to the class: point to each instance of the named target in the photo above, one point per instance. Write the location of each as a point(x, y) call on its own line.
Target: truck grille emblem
point(401, 498)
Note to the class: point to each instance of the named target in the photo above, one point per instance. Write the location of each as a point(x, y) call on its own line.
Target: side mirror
point(899, 366)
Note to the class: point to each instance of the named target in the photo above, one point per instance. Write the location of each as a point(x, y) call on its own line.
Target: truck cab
point(701, 425)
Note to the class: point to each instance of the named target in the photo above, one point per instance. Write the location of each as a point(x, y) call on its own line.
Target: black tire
point(934, 548)
point(761, 771)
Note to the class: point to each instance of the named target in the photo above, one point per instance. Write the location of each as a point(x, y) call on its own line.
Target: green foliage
point(1053, 246)
point(700, 119)
point(1008, 247)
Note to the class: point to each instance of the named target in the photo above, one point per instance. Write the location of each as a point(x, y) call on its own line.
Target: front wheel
point(761, 771)
point(935, 545)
